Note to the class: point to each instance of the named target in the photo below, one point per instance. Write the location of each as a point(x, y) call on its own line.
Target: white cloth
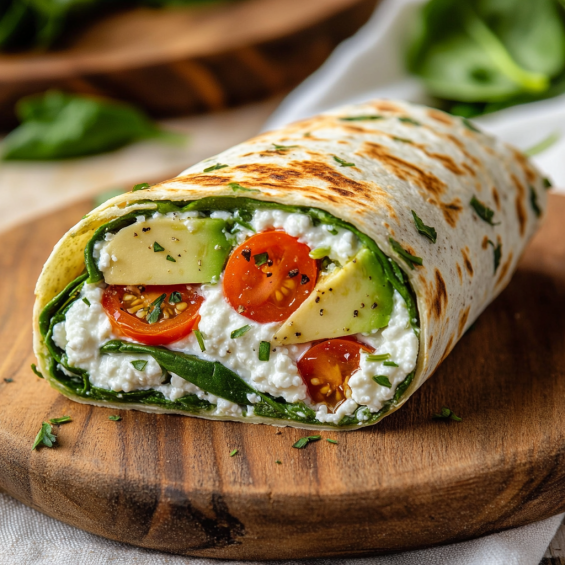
point(29, 538)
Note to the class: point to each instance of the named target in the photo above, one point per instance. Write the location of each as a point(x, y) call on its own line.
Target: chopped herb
point(172, 259)
point(329, 440)
point(543, 145)
point(407, 120)
point(278, 462)
point(157, 248)
point(175, 298)
point(139, 365)
point(470, 125)
point(409, 259)
point(141, 186)
point(215, 167)
point(292, 273)
point(61, 420)
point(304, 441)
point(361, 118)
point(44, 436)
point(534, 202)
point(401, 139)
point(484, 212)
point(114, 418)
point(343, 162)
point(427, 231)
point(382, 380)
point(86, 301)
point(332, 230)
point(200, 339)
point(240, 331)
point(234, 452)
point(497, 254)
point(236, 187)
point(319, 252)
point(446, 414)
point(547, 183)
point(261, 258)
point(284, 147)
point(154, 316)
point(381, 357)
point(8, 380)
point(36, 371)
point(304, 279)
point(390, 364)
point(264, 351)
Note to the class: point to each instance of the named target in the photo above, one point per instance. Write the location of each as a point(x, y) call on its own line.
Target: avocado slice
point(168, 251)
point(357, 298)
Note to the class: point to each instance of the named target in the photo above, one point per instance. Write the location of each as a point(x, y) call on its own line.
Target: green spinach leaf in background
point(483, 55)
point(56, 125)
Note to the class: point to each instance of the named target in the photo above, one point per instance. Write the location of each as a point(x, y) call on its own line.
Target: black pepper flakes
point(246, 254)
point(355, 313)
point(317, 299)
point(145, 229)
point(321, 311)
point(297, 334)
point(373, 306)
point(293, 273)
point(269, 262)
point(304, 279)
point(269, 274)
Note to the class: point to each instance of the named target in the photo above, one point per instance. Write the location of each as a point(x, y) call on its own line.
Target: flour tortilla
point(410, 158)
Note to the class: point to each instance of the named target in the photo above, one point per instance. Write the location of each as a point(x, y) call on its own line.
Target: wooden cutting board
point(185, 60)
point(169, 483)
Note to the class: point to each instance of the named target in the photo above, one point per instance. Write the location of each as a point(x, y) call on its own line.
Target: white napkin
point(29, 538)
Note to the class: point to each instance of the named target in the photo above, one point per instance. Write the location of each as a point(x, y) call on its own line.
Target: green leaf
point(234, 452)
point(534, 202)
point(264, 351)
point(261, 259)
point(236, 187)
point(426, 231)
point(139, 365)
point(361, 118)
point(56, 125)
point(278, 462)
point(200, 340)
point(175, 297)
point(86, 301)
point(172, 259)
point(497, 254)
point(240, 331)
point(390, 364)
point(483, 211)
point(381, 357)
point(343, 162)
point(409, 259)
point(215, 167)
point(158, 248)
point(304, 441)
point(319, 252)
point(446, 414)
point(329, 440)
point(154, 315)
point(36, 371)
point(382, 380)
point(547, 183)
point(284, 147)
point(44, 436)
point(141, 186)
point(61, 420)
point(114, 418)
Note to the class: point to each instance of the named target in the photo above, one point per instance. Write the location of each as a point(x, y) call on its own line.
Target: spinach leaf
point(56, 125)
point(478, 52)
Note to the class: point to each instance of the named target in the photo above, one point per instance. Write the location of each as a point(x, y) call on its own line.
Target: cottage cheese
point(87, 328)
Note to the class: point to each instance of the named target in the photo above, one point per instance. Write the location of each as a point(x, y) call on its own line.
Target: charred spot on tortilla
point(496, 197)
point(440, 116)
point(439, 299)
point(463, 320)
point(467, 261)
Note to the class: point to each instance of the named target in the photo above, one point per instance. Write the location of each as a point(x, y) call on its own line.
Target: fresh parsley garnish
point(304, 441)
point(139, 365)
point(200, 340)
point(446, 414)
point(215, 167)
point(175, 297)
point(381, 357)
point(61, 420)
point(343, 162)
point(382, 380)
point(141, 186)
point(86, 301)
point(390, 364)
point(234, 452)
point(264, 351)
point(497, 254)
point(114, 418)
point(547, 183)
point(284, 147)
point(534, 202)
point(261, 258)
point(278, 462)
point(329, 440)
point(427, 231)
point(361, 118)
point(158, 248)
point(332, 230)
point(36, 371)
point(8, 380)
point(44, 436)
point(483, 211)
point(154, 316)
point(409, 259)
point(240, 331)
point(408, 120)
point(172, 259)
point(236, 187)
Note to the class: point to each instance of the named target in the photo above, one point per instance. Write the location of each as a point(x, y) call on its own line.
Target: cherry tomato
point(269, 276)
point(326, 367)
point(138, 312)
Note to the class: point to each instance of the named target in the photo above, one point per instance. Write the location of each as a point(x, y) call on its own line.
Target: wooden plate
point(169, 483)
point(185, 60)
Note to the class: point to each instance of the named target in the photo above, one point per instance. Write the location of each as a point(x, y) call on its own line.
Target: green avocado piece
point(354, 299)
point(167, 251)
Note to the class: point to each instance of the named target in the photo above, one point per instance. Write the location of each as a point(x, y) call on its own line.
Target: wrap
point(392, 173)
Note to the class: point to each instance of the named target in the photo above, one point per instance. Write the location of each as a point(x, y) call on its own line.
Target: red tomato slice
point(326, 367)
point(129, 308)
point(269, 276)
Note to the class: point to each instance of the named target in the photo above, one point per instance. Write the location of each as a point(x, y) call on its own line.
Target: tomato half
point(269, 276)
point(326, 367)
point(144, 314)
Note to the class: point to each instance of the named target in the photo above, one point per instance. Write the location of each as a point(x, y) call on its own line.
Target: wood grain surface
point(169, 483)
point(186, 60)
